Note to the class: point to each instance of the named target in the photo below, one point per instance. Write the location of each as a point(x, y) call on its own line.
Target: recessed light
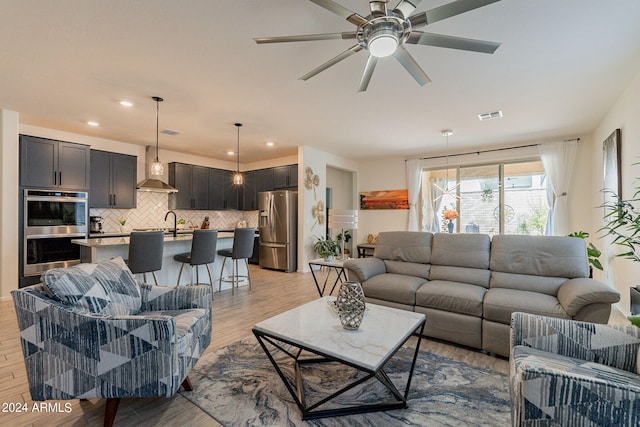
point(92, 123)
point(126, 103)
point(231, 153)
point(270, 144)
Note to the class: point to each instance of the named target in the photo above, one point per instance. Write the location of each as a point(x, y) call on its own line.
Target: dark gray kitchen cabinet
point(192, 183)
point(285, 177)
point(249, 191)
point(216, 189)
point(113, 180)
point(232, 192)
point(47, 163)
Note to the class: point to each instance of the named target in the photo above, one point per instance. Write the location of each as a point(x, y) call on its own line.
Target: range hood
point(151, 184)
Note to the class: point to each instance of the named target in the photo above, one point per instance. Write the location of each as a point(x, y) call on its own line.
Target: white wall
point(625, 115)
point(309, 227)
point(383, 174)
point(9, 170)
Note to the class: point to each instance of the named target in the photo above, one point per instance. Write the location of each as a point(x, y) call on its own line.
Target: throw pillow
point(106, 288)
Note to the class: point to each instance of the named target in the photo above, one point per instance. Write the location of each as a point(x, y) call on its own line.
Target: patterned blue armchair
point(569, 373)
point(91, 331)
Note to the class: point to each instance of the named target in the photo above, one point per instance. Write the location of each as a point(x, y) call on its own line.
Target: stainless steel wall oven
point(51, 220)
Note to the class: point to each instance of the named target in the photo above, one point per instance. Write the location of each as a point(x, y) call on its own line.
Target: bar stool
point(243, 239)
point(145, 253)
point(203, 251)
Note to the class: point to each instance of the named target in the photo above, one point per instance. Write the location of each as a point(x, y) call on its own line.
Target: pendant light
point(157, 169)
point(237, 177)
point(453, 191)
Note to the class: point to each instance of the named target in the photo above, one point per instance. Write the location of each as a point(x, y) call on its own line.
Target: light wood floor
point(233, 318)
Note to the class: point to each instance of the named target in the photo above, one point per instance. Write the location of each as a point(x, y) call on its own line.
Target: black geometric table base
point(271, 344)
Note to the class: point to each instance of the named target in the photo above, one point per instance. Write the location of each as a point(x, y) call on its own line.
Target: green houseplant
point(593, 253)
point(326, 247)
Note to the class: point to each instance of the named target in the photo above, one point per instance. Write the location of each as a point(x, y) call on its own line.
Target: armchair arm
point(175, 297)
point(576, 294)
point(612, 345)
point(110, 355)
point(362, 269)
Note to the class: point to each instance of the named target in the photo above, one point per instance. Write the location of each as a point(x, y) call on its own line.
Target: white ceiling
point(561, 66)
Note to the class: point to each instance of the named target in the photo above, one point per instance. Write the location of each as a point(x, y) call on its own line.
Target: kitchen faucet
point(175, 222)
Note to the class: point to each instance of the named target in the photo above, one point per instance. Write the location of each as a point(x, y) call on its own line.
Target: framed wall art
point(384, 199)
point(611, 157)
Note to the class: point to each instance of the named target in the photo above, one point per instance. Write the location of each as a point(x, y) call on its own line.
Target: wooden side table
point(365, 249)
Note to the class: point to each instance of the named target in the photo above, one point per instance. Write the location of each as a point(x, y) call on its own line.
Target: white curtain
point(414, 184)
point(558, 159)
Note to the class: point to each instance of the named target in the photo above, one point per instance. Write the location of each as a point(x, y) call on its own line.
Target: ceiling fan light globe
point(382, 45)
point(157, 169)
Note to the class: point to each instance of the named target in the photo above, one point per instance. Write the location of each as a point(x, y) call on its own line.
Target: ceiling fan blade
point(410, 64)
point(342, 11)
point(455, 8)
point(406, 7)
point(368, 72)
point(418, 20)
point(378, 7)
point(451, 42)
point(305, 38)
point(344, 55)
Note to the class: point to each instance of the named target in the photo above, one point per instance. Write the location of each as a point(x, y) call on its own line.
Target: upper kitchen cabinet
point(113, 180)
point(192, 183)
point(285, 177)
point(256, 182)
point(216, 189)
point(232, 192)
point(50, 164)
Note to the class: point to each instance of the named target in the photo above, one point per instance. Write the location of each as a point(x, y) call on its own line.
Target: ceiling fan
point(384, 32)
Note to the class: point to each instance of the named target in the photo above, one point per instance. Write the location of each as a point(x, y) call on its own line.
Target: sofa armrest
point(612, 345)
point(155, 298)
point(362, 269)
point(575, 294)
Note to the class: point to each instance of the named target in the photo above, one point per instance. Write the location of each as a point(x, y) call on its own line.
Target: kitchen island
point(93, 250)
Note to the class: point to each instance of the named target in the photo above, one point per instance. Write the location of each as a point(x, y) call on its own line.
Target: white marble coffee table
point(315, 328)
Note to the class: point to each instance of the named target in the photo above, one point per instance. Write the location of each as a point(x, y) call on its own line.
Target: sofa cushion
point(461, 250)
point(393, 287)
point(554, 256)
point(411, 246)
point(474, 276)
point(408, 268)
point(526, 282)
point(451, 296)
point(500, 303)
point(106, 288)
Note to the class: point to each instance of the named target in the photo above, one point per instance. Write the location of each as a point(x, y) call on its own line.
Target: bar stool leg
point(197, 275)
point(144, 277)
point(246, 261)
point(221, 273)
point(210, 279)
point(180, 274)
point(154, 277)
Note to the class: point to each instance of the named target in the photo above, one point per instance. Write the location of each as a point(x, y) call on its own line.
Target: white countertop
point(101, 242)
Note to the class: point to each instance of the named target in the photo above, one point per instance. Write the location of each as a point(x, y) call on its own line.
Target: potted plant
point(623, 224)
point(593, 253)
point(326, 248)
point(347, 237)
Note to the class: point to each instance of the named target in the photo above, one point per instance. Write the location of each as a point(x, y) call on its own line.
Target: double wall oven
point(51, 220)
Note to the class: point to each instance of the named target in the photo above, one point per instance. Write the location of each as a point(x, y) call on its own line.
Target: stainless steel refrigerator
point(278, 226)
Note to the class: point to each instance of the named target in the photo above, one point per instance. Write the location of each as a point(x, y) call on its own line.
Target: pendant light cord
point(238, 125)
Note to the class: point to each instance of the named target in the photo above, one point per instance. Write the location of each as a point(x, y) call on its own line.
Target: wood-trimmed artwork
point(384, 199)
point(612, 169)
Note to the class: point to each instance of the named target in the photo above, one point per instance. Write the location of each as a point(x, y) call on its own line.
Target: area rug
point(238, 386)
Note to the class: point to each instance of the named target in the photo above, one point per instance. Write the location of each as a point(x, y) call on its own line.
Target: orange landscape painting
point(385, 199)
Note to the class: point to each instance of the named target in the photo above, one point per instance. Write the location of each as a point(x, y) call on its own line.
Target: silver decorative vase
point(350, 304)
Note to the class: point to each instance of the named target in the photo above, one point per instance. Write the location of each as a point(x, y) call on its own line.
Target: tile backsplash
point(152, 207)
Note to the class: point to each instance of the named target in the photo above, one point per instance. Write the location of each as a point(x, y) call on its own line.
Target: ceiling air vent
point(171, 132)
point(489, 116)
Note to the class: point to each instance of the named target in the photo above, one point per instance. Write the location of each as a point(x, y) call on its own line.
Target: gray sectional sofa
point(469, 284)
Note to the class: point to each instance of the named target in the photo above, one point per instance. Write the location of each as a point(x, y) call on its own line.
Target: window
point(503, 198)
